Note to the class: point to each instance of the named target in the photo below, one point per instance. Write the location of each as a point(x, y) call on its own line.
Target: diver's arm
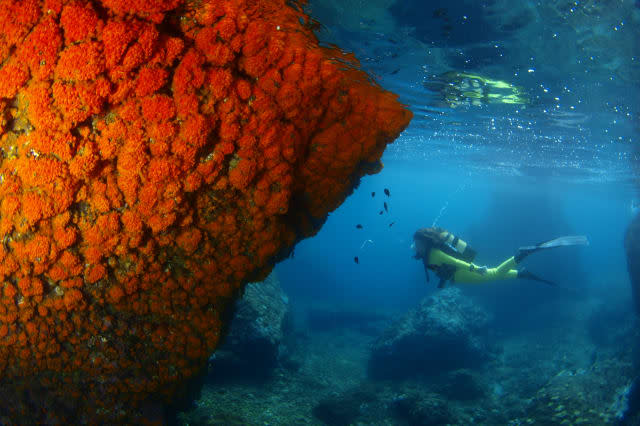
point(438, 257)
point(477, 275)
point(464, 272)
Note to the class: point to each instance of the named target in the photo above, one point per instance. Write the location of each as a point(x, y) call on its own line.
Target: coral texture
point(156, 155)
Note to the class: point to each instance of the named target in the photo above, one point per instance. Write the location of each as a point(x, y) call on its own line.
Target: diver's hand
point(479, 269)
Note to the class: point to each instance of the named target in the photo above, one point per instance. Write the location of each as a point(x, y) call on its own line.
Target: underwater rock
point(632, 249)
point(422, 408)
point(345, 408)
point(460, 385)
point(254, 344)
point(628, 412)
point(598, 395)
point(445, 332)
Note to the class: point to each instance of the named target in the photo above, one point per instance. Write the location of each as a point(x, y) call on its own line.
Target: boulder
point(461, 385)
point(444, 333)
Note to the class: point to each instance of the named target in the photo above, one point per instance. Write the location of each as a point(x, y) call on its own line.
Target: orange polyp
point(12, 77)
point(149, 80)
point(9, 291)
point(141, 7)
point(158, 108)
point(72, 298)
point(40, 49)
point(78, 21)
point(79, 62)
point(147, 174)
point(96, 272)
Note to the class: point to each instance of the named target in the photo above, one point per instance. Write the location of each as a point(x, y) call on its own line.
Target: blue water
point(498, 175)
point(388, 279)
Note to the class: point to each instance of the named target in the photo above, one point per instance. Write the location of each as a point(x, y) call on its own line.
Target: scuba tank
point(463, 250)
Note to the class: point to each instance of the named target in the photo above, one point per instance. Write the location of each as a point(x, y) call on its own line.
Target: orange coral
point(79, 21)
point(152, 150)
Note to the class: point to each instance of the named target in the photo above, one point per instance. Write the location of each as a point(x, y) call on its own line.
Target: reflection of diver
point(451, 258)
point(464, 89)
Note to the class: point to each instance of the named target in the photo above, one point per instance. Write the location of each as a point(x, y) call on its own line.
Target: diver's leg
point(529, 276)
point(476, 274)
point(507, 265)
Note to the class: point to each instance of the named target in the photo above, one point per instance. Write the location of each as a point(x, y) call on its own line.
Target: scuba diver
point(452, 258)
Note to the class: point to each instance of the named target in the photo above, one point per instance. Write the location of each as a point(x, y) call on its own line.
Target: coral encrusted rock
point(444, 333)
point(156, 156)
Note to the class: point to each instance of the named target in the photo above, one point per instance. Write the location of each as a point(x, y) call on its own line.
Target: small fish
point(359, 226)
point(391, 224)
point(381, 212)
point(394, 72)
point(387, 193)
point(386, 208)
point(373, 194)
point(355, 259)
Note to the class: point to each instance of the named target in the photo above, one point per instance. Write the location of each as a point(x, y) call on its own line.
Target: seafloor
point(574, 373)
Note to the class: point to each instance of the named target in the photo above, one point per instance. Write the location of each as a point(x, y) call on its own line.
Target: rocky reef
point(564, 375)
point(156, 156)
point(445, 332)
point(570, 397)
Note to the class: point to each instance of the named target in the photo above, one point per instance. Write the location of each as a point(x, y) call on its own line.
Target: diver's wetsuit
point(451, 258)
point(470, 273)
